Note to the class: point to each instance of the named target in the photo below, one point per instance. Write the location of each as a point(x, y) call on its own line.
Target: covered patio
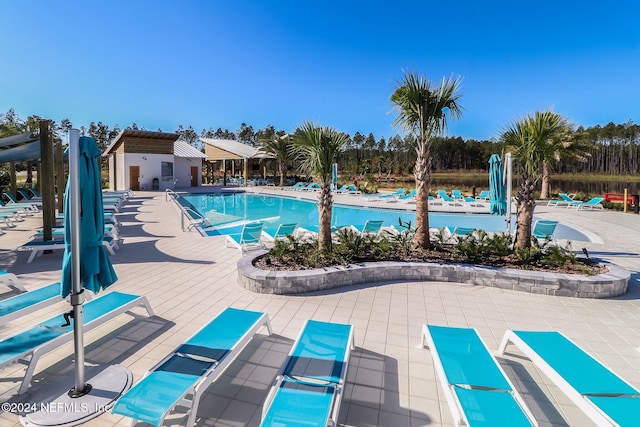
point(245, 162)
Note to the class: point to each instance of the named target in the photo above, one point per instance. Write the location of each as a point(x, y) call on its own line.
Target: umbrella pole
point(507, 165)
point(76, 291)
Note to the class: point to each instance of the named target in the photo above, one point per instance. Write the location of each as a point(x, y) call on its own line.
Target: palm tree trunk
point(526, 204)
point(546, 181)
point(325, 204)
point(283, 173)
point(423, 163)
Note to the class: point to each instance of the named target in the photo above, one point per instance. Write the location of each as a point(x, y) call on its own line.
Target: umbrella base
point(107, 386)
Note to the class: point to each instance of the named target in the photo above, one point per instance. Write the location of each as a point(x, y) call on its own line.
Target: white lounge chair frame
point(56, 342)
point(110, 243)
point(10, 279)
point(578, 399)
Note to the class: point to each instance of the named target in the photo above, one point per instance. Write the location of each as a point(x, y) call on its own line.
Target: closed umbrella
point(497, 192)
point(86, 265)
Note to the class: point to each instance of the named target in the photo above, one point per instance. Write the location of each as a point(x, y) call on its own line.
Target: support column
point(45, 179)
point(60, 175)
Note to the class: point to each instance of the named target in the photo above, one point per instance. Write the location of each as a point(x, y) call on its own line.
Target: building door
point(134, 178)
point(194, 176)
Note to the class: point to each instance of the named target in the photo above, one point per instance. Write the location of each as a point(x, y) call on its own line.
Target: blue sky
point(215, 64)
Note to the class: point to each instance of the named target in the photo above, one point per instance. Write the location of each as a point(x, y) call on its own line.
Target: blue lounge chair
point(369, 227)
point(457, 194)
point(184, 375)
point(308, 389)
point(445, 197)
point(605, 397)
point(483, 196)
point(387, 197)
point(28, 197)
point(565, 200)
point(281, 232)
point(249, 238)
point(454, 233)
point(477, 389)
point(51, 334)
point(10, 279)
point(31, 207)
point(313, 186)
point(410, 195)
point(594, 203)
point(296, 186)
point(544, 229)
point(8, 219)
point(29, 302)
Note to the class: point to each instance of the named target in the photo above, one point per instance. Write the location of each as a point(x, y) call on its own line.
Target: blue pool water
point(229, 211)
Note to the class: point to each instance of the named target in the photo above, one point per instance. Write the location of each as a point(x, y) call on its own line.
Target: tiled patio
point(391, 380)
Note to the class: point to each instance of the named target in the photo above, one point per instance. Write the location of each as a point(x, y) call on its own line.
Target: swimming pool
point(228, 211)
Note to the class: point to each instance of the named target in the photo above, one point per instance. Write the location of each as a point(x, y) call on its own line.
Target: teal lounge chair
point(296, 186)
point(10, 279)
point(313, 186)
point(445, 197)
point(183, 376)
point(8, 219)
point(483, 196)
point(52, 333)
point(308, 389)
point(605, 397)
point(28, 197)
point(37, 247)
point(457, 194)
point(388, 197)
point(369, 227)
point(249, 238)
point(454, 233)
point(565, 200)
point(476, 387)
point(281, 232)
point(410, 195)
point(31, 207)
point(29, 302)
point(544, 229)
point(594, 203)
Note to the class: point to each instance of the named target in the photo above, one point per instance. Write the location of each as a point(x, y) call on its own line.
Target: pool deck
point(391, 380)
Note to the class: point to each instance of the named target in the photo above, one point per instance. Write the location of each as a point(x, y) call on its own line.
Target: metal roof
point(234, 147)
point(19, 148)
point(186, 150)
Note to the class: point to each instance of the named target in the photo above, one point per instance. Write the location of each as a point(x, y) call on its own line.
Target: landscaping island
point(612, 283)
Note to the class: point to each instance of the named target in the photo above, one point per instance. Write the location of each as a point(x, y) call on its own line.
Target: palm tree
point(317, 148)
point(528, 139)
point(565, 146)
point(280, 148)
point(422, 110)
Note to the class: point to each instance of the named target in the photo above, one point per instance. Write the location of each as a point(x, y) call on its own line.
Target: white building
point(146, 160)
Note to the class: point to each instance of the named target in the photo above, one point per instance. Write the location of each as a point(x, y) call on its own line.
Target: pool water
point(227, 212)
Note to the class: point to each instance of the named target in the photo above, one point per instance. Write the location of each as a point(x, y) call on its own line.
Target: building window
point(167, 171)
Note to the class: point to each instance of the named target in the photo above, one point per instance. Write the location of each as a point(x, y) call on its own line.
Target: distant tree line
point(610, 149)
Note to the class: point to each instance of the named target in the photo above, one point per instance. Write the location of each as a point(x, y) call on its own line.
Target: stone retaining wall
point(610, 284)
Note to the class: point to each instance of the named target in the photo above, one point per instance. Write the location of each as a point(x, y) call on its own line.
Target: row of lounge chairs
point(254, 235)
point(310, 382)
point(567, 200)
point(479, 392)
point(37, 246)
